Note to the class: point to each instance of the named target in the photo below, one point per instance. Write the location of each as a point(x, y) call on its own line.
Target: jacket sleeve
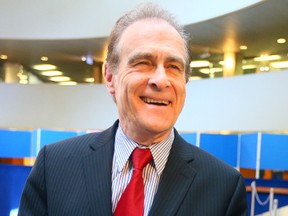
point(33, 200)
point(238, 204)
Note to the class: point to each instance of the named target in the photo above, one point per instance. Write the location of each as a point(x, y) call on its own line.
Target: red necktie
point(131, 202)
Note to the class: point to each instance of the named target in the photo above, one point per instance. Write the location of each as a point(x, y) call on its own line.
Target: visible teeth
point(152, 101)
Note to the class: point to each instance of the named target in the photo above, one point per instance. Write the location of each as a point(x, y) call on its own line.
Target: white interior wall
point(257, 102)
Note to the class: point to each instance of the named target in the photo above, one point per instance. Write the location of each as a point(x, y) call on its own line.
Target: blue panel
point(248, 150)
point(12, 180)
point(221, 146)
point(17, 144)
point(274, 152)
point(51, 136)
point(189, 137)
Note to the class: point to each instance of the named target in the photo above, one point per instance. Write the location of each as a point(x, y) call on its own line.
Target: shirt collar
point(124, 146)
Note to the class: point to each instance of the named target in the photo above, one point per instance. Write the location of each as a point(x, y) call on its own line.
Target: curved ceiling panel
point(66, 19)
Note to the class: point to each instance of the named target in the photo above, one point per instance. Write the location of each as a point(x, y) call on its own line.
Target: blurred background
point(236, 104)
point(65, 42)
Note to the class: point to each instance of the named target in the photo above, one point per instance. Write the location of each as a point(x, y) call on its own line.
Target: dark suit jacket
point(73, 177)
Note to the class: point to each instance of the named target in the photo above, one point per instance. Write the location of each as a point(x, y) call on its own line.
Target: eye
point(143, 63)
point(175, 67)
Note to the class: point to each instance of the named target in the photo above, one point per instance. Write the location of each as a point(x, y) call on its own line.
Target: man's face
point(149, 85)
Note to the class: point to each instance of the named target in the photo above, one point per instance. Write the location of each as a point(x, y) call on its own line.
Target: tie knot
point(141, 157)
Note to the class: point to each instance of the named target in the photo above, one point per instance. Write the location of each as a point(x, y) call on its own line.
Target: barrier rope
point(273, 203)
point(259, 201)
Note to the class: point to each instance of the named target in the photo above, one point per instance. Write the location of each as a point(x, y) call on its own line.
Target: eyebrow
point(140, 55)
point(149, 56)
point(175, 59)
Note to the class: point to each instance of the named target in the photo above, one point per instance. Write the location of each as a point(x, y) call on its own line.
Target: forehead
point(151, 31)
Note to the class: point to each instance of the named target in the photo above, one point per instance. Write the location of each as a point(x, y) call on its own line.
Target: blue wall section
point(189, 137)
point(51, 136)
point(17, 144)
point(221, 146)
point(20, 143)
point(273, 155)
point(248, 150)
point(12, 180)
point(274, 152)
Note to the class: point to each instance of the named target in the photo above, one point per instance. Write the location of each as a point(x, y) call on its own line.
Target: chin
point(158, 126)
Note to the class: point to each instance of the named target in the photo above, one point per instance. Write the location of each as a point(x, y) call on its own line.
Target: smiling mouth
point(155, 102)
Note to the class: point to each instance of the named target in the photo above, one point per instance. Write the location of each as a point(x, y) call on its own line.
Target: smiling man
point(149, 83)
point(139, 166)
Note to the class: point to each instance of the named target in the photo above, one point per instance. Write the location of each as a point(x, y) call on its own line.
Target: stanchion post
point(271, 201)
point(275, 207)
point(253, 194)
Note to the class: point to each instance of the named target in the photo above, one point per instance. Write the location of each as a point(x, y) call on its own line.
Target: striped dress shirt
point(122, 167)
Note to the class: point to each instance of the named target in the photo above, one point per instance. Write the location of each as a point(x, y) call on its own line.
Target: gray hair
point(145, 11)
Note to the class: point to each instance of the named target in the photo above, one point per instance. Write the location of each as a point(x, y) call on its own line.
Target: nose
point(159, 78)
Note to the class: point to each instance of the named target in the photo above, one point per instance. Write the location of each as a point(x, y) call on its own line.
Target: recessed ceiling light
point(279, 64)
point(3, 57)
point(199, 63)
point(267, 58)
point(247, 67)
point(45, 67)
point(51, 73)
point(210, 70)
point(44, 58)
point(22, 76)
point(90, 79)
point(243, 47)
point(60, 78)
point(68, 83)
point(281, 40)
point(23, 81)
point(264, 68)
point(229, 62)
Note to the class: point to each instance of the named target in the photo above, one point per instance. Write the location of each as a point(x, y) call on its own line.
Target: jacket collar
point(177, 177)
point(98, 170)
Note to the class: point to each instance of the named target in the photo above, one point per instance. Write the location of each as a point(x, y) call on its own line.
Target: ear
point(109, 79)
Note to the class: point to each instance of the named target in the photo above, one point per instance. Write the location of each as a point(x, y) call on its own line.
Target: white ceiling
point(258, 27)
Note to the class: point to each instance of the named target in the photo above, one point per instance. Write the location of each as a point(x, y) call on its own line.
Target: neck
point(146, 137)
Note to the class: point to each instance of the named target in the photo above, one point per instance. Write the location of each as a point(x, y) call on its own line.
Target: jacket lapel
point(97, 170)
point(176, 179)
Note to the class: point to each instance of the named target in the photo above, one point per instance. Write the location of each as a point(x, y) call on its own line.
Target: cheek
point(181, 95)
point(130, 82)
point(180, 88)
point(123, 90)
